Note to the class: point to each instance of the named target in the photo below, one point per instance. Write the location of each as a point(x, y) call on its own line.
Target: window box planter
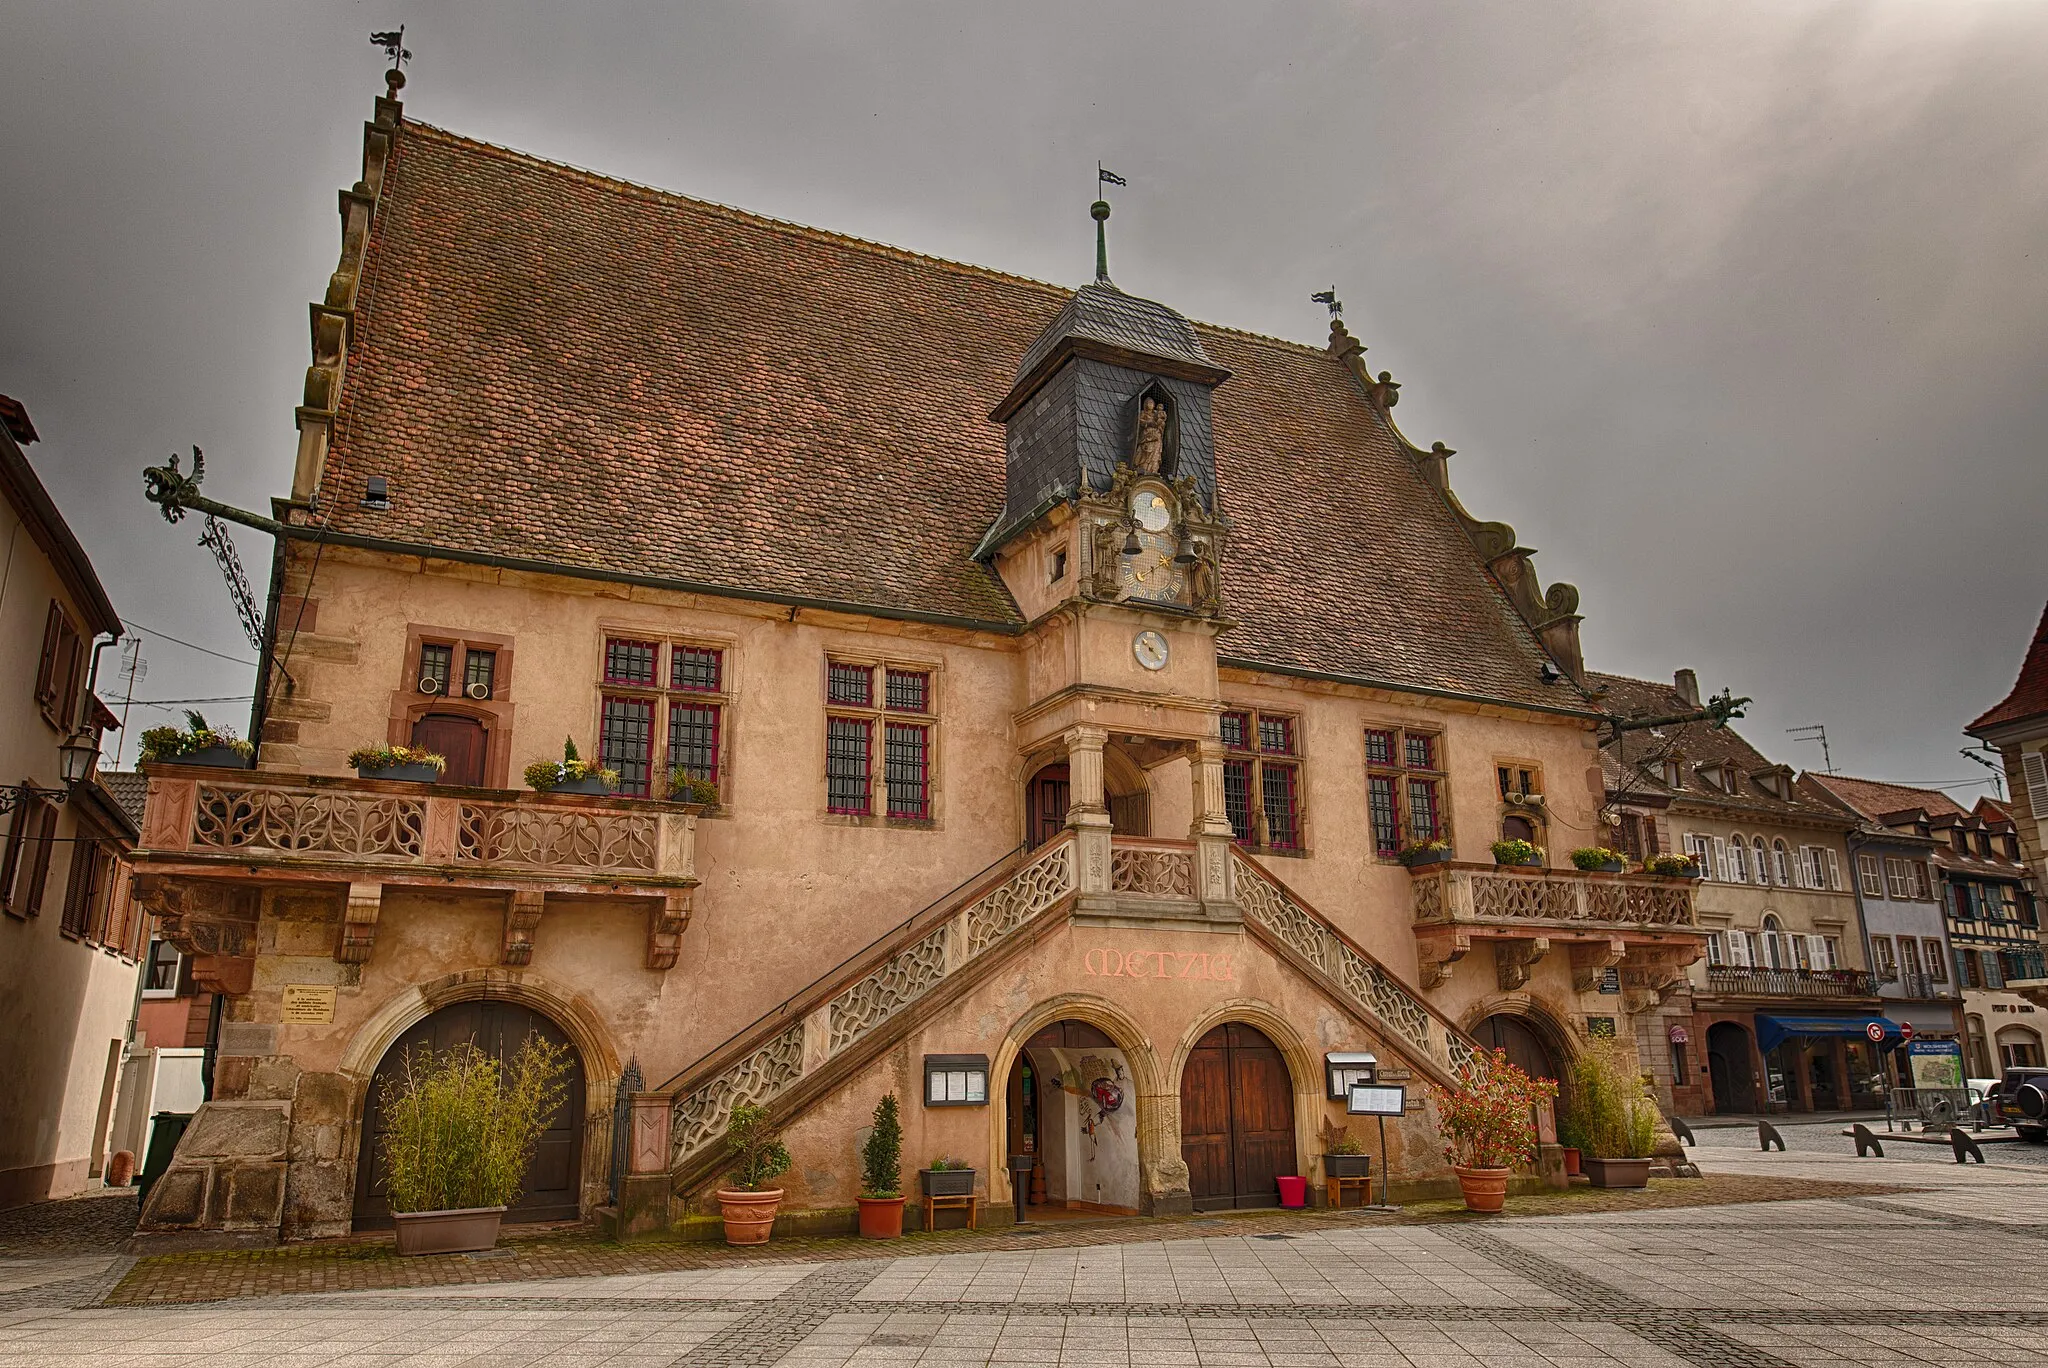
point(1613, 867)
point(1616, 1173)
point(1347, 1165)
point(589, 783)
point(1533, 862)
point(219, 757)
point(1421, 859)
point(462, 1231)
point(947, 1182)
point(407, 774)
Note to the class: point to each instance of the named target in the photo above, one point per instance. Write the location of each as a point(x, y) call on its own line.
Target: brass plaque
point(308, 1004)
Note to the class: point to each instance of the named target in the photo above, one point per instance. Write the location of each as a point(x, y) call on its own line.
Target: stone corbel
point(359, 923)
point(1436, 955)
point(1592, 959)
point(666, 918)
point(213, 924)
point(1512, 960)
point(522, 916)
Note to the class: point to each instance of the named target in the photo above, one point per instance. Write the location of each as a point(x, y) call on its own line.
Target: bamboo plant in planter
point(199, 744)
point(881, 1175)
point(758, 1159)
point(1488, 1124)
point(1618, 1116)
point(571, 774)
point(405, 763)
point(460, 1130)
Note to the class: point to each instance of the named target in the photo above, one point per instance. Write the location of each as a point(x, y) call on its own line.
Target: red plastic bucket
point(1293, 1191)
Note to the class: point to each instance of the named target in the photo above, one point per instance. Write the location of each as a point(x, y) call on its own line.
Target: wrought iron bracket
point(13, 796)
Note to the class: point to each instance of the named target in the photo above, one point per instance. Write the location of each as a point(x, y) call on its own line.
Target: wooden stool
point(1335, 1188)
point(933, 1204)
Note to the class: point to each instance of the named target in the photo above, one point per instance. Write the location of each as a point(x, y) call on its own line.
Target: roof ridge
point(874, 245)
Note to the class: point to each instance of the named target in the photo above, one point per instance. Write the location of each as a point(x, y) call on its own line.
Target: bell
point(1131, 546)
point(1187, 554)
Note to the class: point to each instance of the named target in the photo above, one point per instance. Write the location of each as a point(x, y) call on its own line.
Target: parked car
point(1983, 1100)
point(2022, 1102)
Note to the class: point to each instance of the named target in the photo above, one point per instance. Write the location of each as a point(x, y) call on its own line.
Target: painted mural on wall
point(1091, 1127)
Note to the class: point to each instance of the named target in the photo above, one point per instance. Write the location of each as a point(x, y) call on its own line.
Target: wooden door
point(1237, 1119)
point(460, 739)
point(1046, 802)
point(552, 1188)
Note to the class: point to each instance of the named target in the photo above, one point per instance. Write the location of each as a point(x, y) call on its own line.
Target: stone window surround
point(408, 705)
point(878, 716)
point(724, 697)
point(1399, 771)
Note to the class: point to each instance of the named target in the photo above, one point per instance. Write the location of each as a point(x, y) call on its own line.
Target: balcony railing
point(1472, 894)
point(1791, 983)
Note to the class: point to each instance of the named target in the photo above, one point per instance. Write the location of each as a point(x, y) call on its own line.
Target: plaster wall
point(62, 1001)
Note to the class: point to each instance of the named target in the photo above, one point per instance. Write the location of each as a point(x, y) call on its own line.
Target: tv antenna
point(1816, 732)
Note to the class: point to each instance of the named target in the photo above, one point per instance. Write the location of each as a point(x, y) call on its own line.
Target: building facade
point(1988, 906)
point(70, 938)
point(997, 724)
point(2018, 728)
point(1778, 1014)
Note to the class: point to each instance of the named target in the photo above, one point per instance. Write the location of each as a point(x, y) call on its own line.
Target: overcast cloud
point(1738, 313)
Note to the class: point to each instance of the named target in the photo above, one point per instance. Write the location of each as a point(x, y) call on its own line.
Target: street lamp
point(77, 756)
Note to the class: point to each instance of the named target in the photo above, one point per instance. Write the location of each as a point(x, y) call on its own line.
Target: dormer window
point(1674, 774)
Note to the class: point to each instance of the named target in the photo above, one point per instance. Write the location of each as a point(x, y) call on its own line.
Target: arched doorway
point(1236, 1119)
point(1046, 799)
point(1729, 1070)
point(1073, 1106)
point(552, 1189)
point(1528, 1049)
point(460, 739)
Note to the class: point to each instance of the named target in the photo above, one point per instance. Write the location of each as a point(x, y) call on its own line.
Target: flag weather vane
point(1099, 211)
point(393, 43)
point(1328, 299)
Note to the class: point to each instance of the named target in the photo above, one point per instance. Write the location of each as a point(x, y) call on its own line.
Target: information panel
point(1378, 1099)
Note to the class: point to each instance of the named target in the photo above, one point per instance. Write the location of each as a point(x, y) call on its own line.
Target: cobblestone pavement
point(1854, 1277)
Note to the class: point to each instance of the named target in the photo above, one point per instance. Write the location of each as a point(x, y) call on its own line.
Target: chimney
point(1688, 685)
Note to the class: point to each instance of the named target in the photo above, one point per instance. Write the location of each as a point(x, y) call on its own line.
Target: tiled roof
point(549, 365)
point(1874, 798)
point(1631, 761)
point(2029, 696)
point(127, 788)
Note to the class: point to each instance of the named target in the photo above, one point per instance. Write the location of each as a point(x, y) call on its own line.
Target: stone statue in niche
point(1104, 544)
point(1150, 448)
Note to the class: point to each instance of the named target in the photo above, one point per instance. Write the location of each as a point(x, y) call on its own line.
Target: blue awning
point(1773, 1031)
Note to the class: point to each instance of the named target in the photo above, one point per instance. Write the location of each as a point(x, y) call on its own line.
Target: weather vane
point(393, 43)
point(1328, 299)
point(1099, 211)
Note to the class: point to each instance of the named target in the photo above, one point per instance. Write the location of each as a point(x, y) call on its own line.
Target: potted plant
point(1571, 1123)
point(461, 1127)
point(1488, 1124)
point(881, 1175)
point(1517, 852)
point(1672, 867)
point(1418, 854)
point(1599, 859)
point(685, 787)
point(758, 1159)
point(947, 1178)
point(1346, 1158)
point(199, 744)
point(397, 762)
point(1619, 1126)
point(571, 774)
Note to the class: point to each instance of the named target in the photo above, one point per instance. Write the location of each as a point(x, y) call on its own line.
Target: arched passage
point(1073, 1106)
point(552, 1187)
point(1236, 1118)
point(1729, 1070)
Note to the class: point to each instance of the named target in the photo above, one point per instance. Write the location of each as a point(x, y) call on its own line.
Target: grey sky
point(1739, 313)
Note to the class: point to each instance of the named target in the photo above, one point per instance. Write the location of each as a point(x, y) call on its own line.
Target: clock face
point(1151, 573)
point(1150, 649)
point(1149, 511)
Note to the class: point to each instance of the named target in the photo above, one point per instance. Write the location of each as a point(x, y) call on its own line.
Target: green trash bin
point(168, 1129)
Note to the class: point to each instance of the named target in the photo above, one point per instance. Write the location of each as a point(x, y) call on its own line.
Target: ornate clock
point(1151, 574)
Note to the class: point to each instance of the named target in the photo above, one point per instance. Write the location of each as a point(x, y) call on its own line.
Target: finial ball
point(394, 81)
point(1099, 210)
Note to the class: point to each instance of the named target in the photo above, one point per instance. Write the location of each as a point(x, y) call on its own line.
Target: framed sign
point(1343, 1072)
point(1378, 1099)
point(956, 1080)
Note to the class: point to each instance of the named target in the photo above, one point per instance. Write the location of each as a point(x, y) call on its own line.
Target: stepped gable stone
point(552, 366)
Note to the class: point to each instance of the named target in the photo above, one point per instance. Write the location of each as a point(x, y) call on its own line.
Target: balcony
point(1730, 981)
point(1639, 925)
point(212, 839)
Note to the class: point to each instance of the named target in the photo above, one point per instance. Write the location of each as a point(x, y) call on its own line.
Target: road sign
point(1905, 1030)
point(1875, 1030)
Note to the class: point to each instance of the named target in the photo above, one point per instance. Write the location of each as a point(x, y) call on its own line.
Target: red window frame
point(1261, 778)
point(1404, 788)
point(849, 779)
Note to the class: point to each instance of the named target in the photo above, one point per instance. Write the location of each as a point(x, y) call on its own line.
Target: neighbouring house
point(1989, 906)
point(2018, 728)
point(1022, 699)
point(1905, 934)
point(70, 938)
point(1781, 1014)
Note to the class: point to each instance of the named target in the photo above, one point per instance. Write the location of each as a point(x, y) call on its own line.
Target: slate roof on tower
point(552, 366)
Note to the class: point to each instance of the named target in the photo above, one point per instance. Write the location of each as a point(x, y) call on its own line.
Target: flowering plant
point(543, 775)
point(167, 743)
point(1516, 852)
point(394, 757)
point(1488, 1120)
point(1677, 865)
point(1596, 857)
point(1415, 849)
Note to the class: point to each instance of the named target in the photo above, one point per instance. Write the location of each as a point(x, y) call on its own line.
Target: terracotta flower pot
point(1617, 1173)
point(447, 1232)
point(881, 1218)
point(1485, 1189)
point(1571, 1161)
point(749, 1215)
point(121, 1168)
